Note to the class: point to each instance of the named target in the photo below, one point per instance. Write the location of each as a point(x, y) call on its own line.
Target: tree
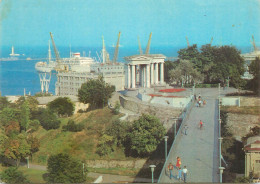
point(95, 92)
point(118, 129)
point(168, 66)
point(105, 145)
point(12, 175)
point(254, 69)
point(9, 114)
point(34, 144)
point(12, 129)
point(145, 135)
point(62, 106)
point(25, 115)
point(4, 102)
point(48, 119)
point(62, 168)
point(15, 148)
point(73, 127)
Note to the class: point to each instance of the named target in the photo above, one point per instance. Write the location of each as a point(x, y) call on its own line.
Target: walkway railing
point(184, 115)
point(219, 137)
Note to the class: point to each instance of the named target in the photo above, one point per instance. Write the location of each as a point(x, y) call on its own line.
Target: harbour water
point(15, 76)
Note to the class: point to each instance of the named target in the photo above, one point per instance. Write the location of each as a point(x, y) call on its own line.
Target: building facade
point(252, 157)
point(144, 70)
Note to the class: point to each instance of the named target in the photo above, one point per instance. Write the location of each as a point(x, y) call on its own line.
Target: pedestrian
point(185, 129)
point(178, 163)
point(185, 171)
point(179, 174)
point(201, 124)
point(170, 169)
point(195, 98)
point(204, 102)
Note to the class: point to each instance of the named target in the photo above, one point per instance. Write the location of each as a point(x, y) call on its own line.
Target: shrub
point(117, 108)
point(62, 168)
point(62, 106)
point(105, 145)
point(72, 127)
point(34, 125)
point(12, 175)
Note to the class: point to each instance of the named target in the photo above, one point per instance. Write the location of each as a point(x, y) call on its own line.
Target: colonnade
point(148, 74)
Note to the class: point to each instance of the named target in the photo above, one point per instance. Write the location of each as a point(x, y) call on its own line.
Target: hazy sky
point(83, 22)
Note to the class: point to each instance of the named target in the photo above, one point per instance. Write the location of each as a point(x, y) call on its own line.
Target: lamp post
point(220, 173)
point(152, 169)
point(165, 140)
point(27, 158)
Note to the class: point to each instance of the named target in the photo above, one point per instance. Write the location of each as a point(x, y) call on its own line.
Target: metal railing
point(184, 115)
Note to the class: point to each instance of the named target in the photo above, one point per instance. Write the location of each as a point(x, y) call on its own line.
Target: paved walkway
point(199, 149)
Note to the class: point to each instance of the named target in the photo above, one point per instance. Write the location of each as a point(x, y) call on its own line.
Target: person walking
point(170, 169)
point(179, 174)
point(185, 171)
point(185, 129)
point(178, 163)
point(201, 124)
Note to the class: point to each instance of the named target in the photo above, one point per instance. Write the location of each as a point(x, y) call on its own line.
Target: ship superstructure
point(13, 54)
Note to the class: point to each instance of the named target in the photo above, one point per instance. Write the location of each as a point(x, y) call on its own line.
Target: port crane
point(140, 48)
point(211, 41)
point(188, 43)
point(253, 43)
point(117, 48)
point(147, 50)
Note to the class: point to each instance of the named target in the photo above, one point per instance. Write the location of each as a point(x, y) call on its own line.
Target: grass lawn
point(252, 110)
point(35, 176)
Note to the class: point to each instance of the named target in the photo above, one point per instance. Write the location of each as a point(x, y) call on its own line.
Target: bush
point(34, 125)
point(117, 108)
point(105, 145)
point(62, 168)
point(118, 129)
point(72, 127)
point(48, 119)
point(12, 175)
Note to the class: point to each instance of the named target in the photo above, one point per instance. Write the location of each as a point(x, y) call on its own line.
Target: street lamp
point(165, 140)
point(220, 173)
point(152, 169)
point(27, 158)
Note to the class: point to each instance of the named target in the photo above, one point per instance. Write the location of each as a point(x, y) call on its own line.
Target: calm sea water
point(15, 76)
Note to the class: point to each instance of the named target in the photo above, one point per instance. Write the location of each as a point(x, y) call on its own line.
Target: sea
point(19, 76)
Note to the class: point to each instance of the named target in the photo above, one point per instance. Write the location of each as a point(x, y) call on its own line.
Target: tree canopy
point(62, 168)
point(12, 175)
point(254, 69)
point(62, 106)
point(145, 135)
point(95, 92)
point(210, 64)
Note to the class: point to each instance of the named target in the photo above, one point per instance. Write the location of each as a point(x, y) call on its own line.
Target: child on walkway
point(185, 171)
point(178, 163)
point(179, 174)
point(170, 168)
point(185, 129)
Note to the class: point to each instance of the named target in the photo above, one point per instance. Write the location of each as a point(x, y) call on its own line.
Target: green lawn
point(252, 110)
point(116, 171)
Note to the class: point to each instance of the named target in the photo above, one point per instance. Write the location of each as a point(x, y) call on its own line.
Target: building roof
point(147, 56)
point(253, 144)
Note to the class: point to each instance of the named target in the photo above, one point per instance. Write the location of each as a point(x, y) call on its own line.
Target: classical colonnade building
point(144, 70)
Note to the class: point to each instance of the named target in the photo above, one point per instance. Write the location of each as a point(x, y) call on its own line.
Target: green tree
point(25, 115)
point(48, 119)
point(168, 66)
point(106, 145)
point(145, 135)
point(73, 127)
point(62, 106)
point(9, 114)
point(254, 69)
point(4, 102)
point(62, 168)
point(12, 175)
point(118, 129)
point(95, 92)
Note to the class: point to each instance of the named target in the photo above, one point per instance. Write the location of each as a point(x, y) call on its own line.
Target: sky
point(83, 22)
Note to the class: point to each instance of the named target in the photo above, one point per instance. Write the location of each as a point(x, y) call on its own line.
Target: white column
point(133, 76)
point(128, 76)
point(161, 73)
point(152, 74)
point(156, 73)
point(144, 76)
point(140, 75)
point(148, 75)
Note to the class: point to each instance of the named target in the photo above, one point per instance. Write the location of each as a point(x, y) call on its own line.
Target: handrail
point(184, 116)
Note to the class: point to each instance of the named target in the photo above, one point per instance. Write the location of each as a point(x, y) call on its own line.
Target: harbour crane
point(253, 43)
point(188, 44)
point(59, 66)
point(148, 44)
point(140, 48)
point(117, 48)
point(211, 41)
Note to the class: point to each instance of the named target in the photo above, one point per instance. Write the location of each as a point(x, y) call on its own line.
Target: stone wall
point(162, 112)
point(136, 164)
point(240, 124)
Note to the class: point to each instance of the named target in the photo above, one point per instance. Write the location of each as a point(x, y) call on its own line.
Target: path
point(199, 149)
